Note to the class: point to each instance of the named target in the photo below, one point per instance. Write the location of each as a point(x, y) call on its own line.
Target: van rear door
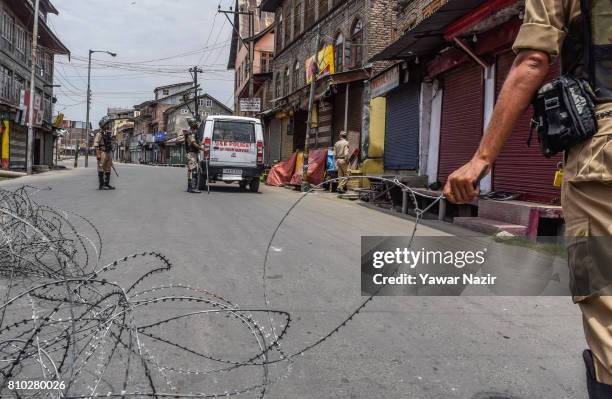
point(233, 143)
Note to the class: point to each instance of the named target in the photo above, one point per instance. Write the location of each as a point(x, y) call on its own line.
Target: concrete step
point(490, 226)
point(506, 211)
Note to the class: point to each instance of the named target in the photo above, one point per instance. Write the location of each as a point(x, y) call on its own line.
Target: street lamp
point(89, 99)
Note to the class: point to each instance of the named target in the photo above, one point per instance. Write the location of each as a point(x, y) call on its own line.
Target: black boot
point(101, 181)
point(107, 181)
point(597, 390)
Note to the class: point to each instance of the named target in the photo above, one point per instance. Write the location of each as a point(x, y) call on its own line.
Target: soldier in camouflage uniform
point(192, 149)
point(104, 143)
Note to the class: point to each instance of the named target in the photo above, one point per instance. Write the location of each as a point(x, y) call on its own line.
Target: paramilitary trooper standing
point(580, 32)
point(341, 155)
point(192, 149)
point(103, 143)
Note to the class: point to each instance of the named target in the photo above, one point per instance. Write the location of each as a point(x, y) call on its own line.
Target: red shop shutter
point(519, 168)
point(461, 126)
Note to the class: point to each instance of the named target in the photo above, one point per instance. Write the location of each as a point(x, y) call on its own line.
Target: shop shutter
point(462, 117)
point(17, 146)
point(402, 128)
point(519, 168)
point(273, 130)
point(324, 127)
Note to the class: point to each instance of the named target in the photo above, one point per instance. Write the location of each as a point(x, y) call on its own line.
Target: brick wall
point(378, 20)
point(410, 13)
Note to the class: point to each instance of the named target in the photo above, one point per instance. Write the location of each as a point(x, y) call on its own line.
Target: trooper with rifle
point(104, 145)
point(572, 114)
point(192, 150)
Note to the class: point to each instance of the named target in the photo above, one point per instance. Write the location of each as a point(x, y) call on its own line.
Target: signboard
point(385, 82)
point(38, 113)
point(324, 65)
point(250, 104)
point(59, 119)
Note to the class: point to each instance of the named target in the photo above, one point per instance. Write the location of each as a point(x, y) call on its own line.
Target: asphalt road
point(398, 347)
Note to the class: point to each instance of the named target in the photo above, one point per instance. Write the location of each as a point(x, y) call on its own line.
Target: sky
point(156, 42)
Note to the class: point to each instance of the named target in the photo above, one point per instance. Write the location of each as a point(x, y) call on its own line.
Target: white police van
point(234, 148)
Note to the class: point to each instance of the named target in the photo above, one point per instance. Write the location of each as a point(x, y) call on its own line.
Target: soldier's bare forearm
point(525, 78)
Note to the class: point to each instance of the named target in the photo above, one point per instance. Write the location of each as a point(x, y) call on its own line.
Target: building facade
point(176, 121)
point(332, 42)
point(149, 121)
point(451, 81)
point(261, 36)
point(120, 121)
point(73, 138)
point(16, 24)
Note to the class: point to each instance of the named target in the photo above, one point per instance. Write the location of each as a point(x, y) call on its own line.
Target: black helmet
point(193, 123)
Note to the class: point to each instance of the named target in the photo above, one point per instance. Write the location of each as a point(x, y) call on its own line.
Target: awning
point(428, 36)
point(270, 5)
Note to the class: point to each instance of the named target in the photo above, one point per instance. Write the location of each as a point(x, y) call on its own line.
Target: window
point(288, 27)
point(266, 61)
point(165, 92)
point(5, 82)
point(339, 53)
point(322, 8)
point(297, 76)
point(208, 103)
point(287, 80)
point(277, 86)
point(20, 84)
point(279, 33)
point(8, 28)
point(243, 132)
point(309, 13)
point(298, 27)
point(48, 65)
point(20, 42)
point(357, 43)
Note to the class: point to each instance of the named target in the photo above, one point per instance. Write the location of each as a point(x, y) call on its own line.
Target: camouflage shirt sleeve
point(544, 26)
point(97, 138)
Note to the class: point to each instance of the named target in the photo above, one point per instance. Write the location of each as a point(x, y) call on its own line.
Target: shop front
point(402, 127)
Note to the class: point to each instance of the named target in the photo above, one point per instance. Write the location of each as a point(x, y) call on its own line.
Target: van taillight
point(260, 151)
point(207, 147)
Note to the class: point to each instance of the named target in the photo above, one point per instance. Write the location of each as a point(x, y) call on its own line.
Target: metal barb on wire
point(100, 338)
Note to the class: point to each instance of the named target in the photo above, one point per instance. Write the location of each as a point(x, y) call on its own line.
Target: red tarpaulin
point(316, 168)
point(281, 172)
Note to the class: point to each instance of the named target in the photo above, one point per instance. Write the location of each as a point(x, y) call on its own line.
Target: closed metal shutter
point(462, 118)
point(273, 145)
point(17, 146)
point(402, 128)
point(323, 138)
point(519, 168)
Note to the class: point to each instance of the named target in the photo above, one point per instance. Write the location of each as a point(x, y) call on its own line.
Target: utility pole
point(314, 49)
point(30, 143)
point(87, 123)
point(195, 70)
point(250, 46)
point(87, 145)
point(251, 52)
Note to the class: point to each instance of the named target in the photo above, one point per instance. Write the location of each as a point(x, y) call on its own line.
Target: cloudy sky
point(156, 42)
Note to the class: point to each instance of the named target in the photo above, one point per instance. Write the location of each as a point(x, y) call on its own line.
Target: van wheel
point(254, 185)
point(242, 185)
